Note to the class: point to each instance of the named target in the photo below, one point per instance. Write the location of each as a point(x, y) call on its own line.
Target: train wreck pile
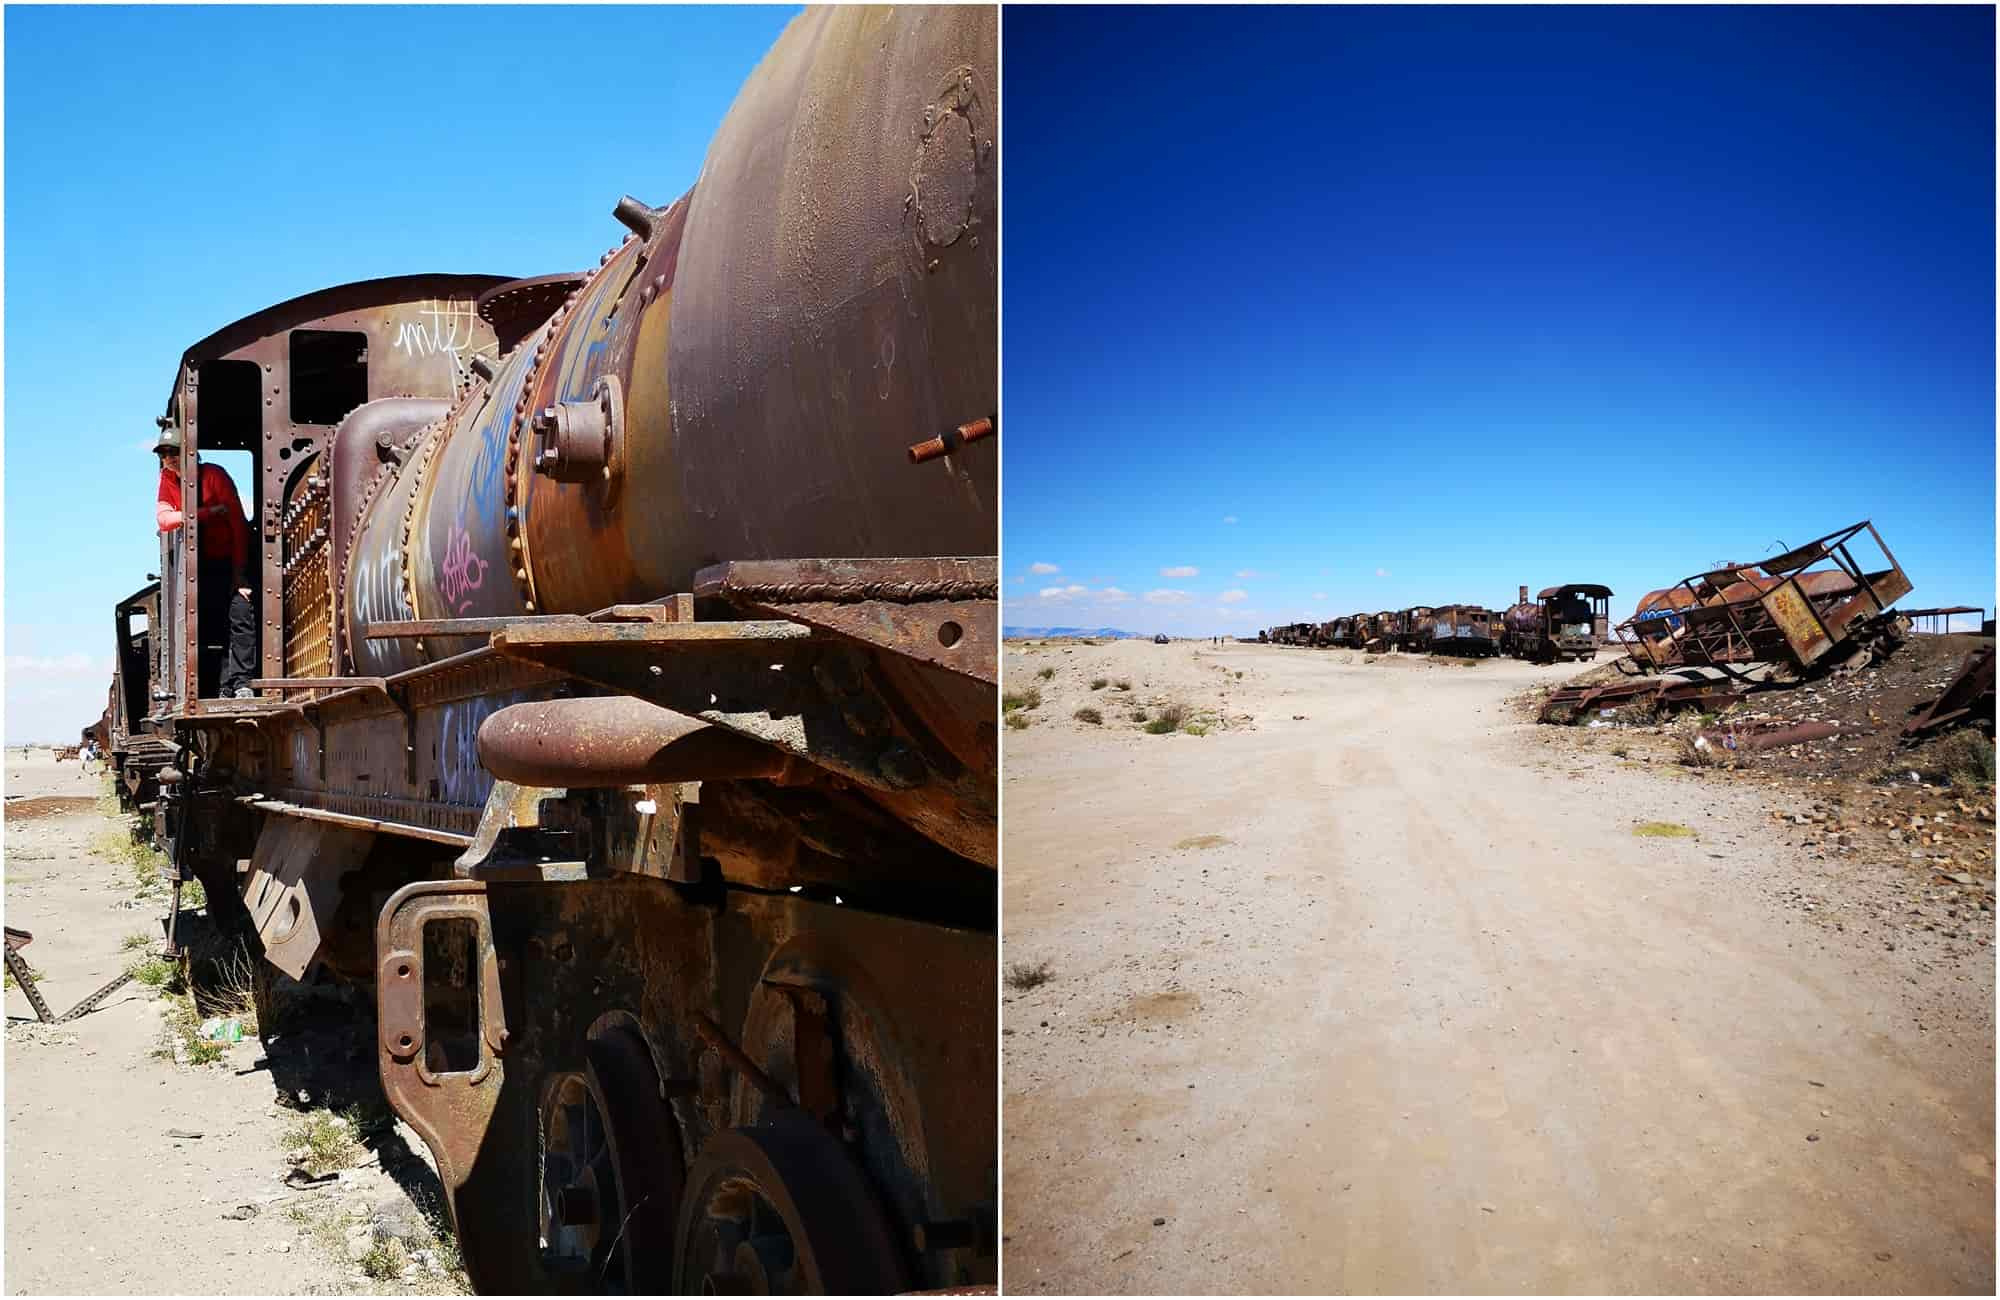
point(1801, 660)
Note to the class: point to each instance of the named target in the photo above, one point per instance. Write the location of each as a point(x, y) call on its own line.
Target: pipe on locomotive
point(744, 376)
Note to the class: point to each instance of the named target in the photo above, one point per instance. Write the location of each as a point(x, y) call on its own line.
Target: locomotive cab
point(1576, 619)
point(260, 398)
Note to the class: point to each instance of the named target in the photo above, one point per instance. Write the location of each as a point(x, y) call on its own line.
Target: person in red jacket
point(224, 539)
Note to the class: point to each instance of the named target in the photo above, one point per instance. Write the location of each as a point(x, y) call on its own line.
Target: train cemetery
point(1402, 971)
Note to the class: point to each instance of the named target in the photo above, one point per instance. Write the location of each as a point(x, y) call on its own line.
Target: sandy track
point(101, 1197)
point(1434, 1019)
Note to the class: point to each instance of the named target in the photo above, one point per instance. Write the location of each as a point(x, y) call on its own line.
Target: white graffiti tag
point(442, 327)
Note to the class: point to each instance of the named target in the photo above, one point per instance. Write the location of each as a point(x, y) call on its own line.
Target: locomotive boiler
point(628, 709)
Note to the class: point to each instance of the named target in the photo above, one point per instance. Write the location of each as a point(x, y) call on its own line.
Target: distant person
point(224, 576)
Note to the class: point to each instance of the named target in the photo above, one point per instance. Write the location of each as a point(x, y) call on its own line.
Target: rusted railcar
point(1465, 630)
point(666, 843)
point(1353, 631)
point(1385, 631)
point(1794, 609)
point(1566, 622)
point(1418, 621)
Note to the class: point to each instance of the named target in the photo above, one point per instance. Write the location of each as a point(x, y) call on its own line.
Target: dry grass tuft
point(1693, 748)
point(322, 1142)
point(1028, 698)
point(1967, 758)
point(1021, 976)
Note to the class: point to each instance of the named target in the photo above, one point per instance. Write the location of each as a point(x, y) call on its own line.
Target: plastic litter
point(217, 1030)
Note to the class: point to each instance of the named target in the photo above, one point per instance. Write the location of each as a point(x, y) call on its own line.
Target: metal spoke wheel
point(781, 1209)
point(611, 1169)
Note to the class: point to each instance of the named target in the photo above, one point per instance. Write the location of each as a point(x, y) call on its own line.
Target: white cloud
point(1043, 567)
point(1181, 571)
point(1115, 595)
point(1168, 596)
point(1381, 573)
point(1234, 596)
point(70, 665)
point(1070, 592)
point(1246, 573)
point(1229, 519)
point(1319, 595)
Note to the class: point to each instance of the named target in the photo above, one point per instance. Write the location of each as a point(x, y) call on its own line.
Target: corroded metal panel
point(294, 884)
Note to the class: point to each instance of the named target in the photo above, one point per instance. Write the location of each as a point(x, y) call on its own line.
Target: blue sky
point(1311, 311)
point(169, 170)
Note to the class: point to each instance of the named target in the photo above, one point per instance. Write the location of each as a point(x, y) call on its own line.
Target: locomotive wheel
point(611, 1169)
point(781, 1209)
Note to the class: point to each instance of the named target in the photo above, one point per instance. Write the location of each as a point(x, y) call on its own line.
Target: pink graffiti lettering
point(463, 571)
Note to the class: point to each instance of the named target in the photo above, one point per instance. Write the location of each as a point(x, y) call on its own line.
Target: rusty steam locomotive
point(627, 709)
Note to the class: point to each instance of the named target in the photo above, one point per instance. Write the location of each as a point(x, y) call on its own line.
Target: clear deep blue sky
point(169, 170)
point(1435, 302)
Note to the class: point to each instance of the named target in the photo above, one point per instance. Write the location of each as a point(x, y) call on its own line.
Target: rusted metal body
point(24, 975)
point(1385, 631)
point(1566, 622)
point(134, 741)
point(1659, 694)
point(1418, 622)
point(1751, 738)
point(1354, 631)
point(1795, 608)
point(1465, 630)
point(642, 826)
point(1967, 701)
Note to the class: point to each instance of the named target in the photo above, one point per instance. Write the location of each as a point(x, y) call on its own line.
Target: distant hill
point(1108, 633)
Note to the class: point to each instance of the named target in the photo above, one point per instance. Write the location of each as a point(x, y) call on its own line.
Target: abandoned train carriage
point(666, 846)
point(1465, 630)
point(1418, 622)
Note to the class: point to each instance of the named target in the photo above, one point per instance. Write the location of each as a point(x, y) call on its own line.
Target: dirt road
point(102, 1196)
point(1391, 997)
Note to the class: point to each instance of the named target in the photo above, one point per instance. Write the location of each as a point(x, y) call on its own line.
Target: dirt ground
point(1380, 987)
point(130, 1174)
